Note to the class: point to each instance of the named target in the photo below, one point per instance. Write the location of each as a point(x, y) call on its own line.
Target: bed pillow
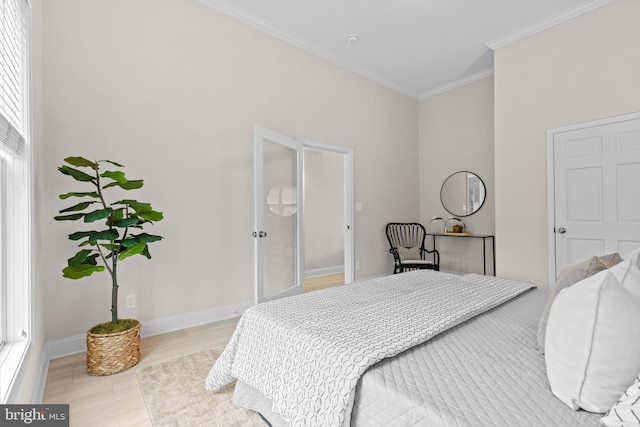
point(628, 274)
point(593, 342)
point(567, 277)
point(610, 259)
point(626, 411)
point(633, 256)
point(407, 254)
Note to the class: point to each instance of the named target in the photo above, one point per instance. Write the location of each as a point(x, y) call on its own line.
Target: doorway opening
point(303, 211)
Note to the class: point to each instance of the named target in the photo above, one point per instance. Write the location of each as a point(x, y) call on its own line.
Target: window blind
point(13, 55)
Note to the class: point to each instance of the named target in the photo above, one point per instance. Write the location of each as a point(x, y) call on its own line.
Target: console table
point(484, 238)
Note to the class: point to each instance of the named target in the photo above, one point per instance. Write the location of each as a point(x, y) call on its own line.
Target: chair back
point(407, 238)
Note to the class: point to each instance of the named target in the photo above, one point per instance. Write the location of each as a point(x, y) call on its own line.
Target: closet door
point(596, 196)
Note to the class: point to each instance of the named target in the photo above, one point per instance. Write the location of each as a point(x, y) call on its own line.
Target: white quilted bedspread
point(306, 353)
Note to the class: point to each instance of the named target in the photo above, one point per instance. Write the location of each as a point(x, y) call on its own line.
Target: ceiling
point(417, 47)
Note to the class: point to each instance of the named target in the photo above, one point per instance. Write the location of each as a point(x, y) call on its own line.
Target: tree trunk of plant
point(114, 289)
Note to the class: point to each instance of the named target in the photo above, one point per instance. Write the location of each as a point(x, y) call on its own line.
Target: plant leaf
point(71, 217)
point(134, 204)
point(143, 210)
point(132, 184)
point(116, 215)
point(81, 161)
point(81, 194)
point(79, 258)
point(76, 174)
point(128, 185)
point(78, 207)
point(117, 176)
point(97, 215)
point(94, 236)
point(129, 242)
point(109, 235)
point(133, 250)
point(92, 259)
point(124, 223)
point(112, 162)
point(83, 257)
point(151, 215)
point(148, 238)
point(80, 271)
point(80, 235)
point(136, 239)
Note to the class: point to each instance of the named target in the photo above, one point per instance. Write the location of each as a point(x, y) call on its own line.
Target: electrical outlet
point(357, 265)
point(131, 301)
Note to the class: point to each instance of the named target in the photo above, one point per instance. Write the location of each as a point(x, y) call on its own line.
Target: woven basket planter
point(108, 354)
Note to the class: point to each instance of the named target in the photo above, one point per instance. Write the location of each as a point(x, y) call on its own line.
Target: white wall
point(456, 133)
point(172, 90)
point(584, 69)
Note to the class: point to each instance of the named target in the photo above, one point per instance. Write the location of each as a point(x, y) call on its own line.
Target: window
point(15, 194)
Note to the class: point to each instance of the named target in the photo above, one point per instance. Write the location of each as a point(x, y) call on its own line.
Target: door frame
point(259, 133)
point(551, 208)
point(349, 253)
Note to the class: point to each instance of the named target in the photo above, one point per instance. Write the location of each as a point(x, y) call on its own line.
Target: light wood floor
point(116, 400)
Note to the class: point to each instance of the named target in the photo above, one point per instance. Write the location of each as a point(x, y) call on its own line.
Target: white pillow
point(628, 273)
point(593, 342)
point(633, 256)
point(568, 276)
point(626, 411)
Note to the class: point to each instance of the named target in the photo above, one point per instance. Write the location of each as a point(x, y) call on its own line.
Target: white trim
point(20, 316)
point(545, 24)
point(349, 219)
point(551, 207)
point(316, 272)
point(77, 344)
point(288, 37)
point(457, 83)
point(551, 210)
point(41, 381)
point(12, 368)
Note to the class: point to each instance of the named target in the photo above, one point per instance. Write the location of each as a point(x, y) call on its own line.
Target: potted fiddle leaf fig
point(114, 234)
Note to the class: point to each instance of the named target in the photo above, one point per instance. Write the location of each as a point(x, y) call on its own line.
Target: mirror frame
point(458, 214)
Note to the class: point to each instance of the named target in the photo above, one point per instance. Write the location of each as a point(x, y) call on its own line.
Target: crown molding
point(547, 23)
point(457, 83)
point(286, 36)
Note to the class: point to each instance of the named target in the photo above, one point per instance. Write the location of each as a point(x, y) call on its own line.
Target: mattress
point(308, 352)
point(484, 372)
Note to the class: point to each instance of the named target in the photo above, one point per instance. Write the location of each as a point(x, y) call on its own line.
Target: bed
point(477, 364)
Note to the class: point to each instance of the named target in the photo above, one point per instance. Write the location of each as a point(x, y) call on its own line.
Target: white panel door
point(596, 195)
point(278, 254)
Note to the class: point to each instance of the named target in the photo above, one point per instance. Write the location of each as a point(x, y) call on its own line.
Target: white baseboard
point(77, 344)
point(38, 389)
point(324, 271)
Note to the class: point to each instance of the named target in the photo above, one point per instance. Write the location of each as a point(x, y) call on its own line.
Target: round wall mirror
point(462, 193)
point(283, 199)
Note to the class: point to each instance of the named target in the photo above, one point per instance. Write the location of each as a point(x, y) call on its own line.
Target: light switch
point(358, 206)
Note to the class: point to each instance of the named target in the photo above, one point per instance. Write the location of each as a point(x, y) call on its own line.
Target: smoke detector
point(352, 39)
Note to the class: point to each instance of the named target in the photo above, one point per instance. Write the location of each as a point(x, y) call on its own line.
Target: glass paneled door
point(278, 215)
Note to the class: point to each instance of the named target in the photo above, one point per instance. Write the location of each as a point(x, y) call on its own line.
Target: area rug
point(175, 395)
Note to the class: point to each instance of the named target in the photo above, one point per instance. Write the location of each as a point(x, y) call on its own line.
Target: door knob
point(562, 230)
point(262, 234)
